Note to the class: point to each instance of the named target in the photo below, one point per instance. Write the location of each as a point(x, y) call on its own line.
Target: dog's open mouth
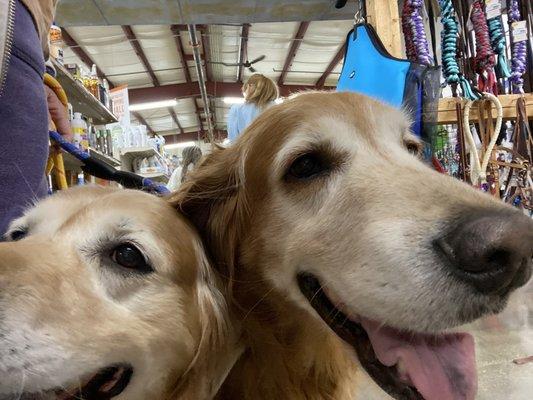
point(406, 365)
point(105, 384)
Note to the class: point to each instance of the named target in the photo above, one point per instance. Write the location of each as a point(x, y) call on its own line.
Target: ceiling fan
point(246, 64)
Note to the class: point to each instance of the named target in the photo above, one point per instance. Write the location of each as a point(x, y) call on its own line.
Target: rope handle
point(478, 169)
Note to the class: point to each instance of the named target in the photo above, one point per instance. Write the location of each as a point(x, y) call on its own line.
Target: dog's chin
point(405, 364)
point(103, 384)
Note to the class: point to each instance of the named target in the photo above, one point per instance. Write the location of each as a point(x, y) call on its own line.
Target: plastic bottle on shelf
point(56, 43)
point(144, 166)
point(70, 112)
point(118, 139)
point(143, 136)
point(95, 82)
point(107, 100)
point(109, 142)
point(79, 129)
point(101, 141)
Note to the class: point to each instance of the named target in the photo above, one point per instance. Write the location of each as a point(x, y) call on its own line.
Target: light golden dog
point(107, 293)
point(328, 227)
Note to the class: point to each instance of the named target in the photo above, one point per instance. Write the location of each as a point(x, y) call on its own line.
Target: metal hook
point(359, 17)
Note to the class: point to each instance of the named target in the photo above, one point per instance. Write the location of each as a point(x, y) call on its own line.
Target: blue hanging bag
point(369, 69)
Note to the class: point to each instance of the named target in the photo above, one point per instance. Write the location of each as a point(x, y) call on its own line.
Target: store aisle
point(500, 339)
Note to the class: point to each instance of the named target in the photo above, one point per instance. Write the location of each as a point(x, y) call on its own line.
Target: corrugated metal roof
point(110, 49)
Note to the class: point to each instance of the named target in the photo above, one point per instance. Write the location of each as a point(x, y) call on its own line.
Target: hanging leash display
point(479, 165)
point(497, 38)
point(102, 170)
point(416, 43)
point(453, 75)
point(485, 59)
point(518, 48)
point(449, 37)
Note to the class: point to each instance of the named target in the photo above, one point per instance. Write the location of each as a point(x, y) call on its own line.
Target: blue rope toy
point(102, 170)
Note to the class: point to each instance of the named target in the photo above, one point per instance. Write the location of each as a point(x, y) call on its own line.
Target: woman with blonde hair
point(259, 93)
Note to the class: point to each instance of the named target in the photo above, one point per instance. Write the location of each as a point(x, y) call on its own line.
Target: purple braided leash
point(518, 59)
point(414, 32)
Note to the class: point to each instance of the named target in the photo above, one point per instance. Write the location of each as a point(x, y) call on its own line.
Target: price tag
point(493, 8)
point(519, 31)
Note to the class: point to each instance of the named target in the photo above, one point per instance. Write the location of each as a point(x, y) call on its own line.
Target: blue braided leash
point(497, 41)
point(449, 37)
point(102, 170)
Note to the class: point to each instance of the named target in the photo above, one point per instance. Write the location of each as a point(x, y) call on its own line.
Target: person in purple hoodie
point(25, 105)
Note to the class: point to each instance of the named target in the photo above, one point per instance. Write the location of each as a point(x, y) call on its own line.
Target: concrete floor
point(499, 340)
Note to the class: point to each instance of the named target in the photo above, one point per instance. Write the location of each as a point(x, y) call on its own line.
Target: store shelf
point(134, 152)
point(156, 176)
point(81, 99)
point(104, 157)
point(71, 163)
point(447, 114)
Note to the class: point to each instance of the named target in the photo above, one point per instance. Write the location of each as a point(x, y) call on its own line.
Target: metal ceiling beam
point(134, 42)
point(243, 50)
point(219, 135)
point(82, 55)
point(176, 29)
point(175, 118)
point(141, 119)
point(183, 27)
point(195, 44)
point(206, 46)
point(187, 90)
point(140, 53)
point(334, 62)
point(295, 45)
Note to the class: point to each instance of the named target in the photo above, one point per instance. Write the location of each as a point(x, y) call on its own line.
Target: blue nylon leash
point(100, 169)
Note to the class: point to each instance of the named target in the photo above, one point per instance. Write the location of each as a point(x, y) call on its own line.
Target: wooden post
point(384, 16)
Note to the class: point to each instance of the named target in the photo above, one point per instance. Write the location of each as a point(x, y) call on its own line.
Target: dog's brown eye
point(129, 256)
point(306, 166)
point(18, 234)
point(413, 148)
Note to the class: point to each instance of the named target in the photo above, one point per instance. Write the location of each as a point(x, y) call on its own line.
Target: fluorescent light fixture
point(179, 145)
point(153, 105)
point(233, 100)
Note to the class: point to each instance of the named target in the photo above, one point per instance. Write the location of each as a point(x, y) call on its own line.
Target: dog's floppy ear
point(219, 346)
point(213, 199)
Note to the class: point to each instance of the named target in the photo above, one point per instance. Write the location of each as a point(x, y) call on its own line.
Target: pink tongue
point(441, 368)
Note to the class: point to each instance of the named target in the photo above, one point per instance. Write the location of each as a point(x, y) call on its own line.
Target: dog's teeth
point(402, 372)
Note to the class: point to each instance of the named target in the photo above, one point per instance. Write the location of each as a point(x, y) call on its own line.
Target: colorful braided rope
point(416, 43)
point(484, 60)
point(449, 37)
point(519, 59)
point(497, 40)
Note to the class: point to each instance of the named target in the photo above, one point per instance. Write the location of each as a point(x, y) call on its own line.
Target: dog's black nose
point(491, 251)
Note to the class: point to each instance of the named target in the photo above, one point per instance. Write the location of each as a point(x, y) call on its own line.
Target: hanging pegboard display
point(480, 132)
point(485, 133)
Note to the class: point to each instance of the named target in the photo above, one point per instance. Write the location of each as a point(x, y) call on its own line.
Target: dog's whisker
point(257, 303)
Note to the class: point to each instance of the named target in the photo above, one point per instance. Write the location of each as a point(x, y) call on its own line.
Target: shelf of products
point(81, 99)
point(158, 176)
point(104, 157)
point(134, 152)
point(73, 164)
point(447, 113)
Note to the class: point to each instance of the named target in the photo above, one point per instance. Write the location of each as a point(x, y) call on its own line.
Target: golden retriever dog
point(343, 251)
point(107, 294)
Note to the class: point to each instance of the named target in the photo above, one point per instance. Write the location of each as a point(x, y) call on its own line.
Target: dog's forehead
point(101, 208)
point(344, 120)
